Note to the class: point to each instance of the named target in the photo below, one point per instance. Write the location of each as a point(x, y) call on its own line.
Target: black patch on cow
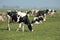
point(13, 15)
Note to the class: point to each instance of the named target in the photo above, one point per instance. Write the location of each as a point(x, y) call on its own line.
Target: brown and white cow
point(32, 12)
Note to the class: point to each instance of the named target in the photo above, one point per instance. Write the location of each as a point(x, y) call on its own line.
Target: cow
point(20, 18)
point(40, 16)
point(52, 12)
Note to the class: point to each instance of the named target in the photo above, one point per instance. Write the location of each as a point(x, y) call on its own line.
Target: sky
point(30, 3)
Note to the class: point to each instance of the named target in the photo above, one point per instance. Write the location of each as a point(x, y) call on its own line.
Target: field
point(48, 30)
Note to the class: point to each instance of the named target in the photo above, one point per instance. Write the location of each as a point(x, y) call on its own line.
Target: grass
point(49, 30)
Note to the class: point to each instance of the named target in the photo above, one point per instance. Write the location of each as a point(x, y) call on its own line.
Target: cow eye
point(18, 15)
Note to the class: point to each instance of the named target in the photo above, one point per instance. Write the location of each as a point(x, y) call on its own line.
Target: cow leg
point(8, 21)
point(44, 17)
point(8, 27)
point(22, 27)
point(19, 27)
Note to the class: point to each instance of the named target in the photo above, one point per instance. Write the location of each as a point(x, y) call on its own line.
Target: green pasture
point(48, 30)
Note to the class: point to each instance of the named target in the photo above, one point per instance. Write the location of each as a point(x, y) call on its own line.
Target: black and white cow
point(40, 16)
point(22, 18)
point(19, 17)
point(52, 12)
point(11, 16)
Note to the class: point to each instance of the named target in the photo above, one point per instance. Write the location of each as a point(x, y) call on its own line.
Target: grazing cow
point(40, 16)
point(37, 20)
point(20, 18)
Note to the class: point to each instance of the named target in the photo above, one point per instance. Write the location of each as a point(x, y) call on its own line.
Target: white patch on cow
point(35, 18)
point(49, 9)
point(52, 12)
point(36, 11)
point(21, 14)
point(40, 16)
point(44, 19)
point(36, 22)
point(31, 24)
point(18, 17)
